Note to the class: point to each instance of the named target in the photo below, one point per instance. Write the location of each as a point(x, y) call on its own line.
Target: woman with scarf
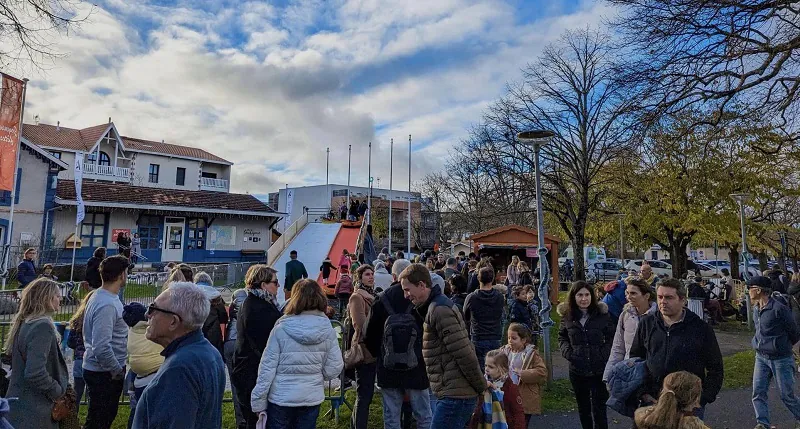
point(255, 321)
point(358, 310)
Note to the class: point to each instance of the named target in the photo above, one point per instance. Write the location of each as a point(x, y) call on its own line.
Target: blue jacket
point(616, 299)
point(26, 272)
point(775, 330)
point(187, 390)
point(520, 312)
point(626, 377)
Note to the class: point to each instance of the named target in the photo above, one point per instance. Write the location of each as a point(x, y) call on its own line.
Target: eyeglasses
point(152, 308)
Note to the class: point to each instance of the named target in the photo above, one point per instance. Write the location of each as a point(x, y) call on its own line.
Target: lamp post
point(621, 239)
point(740, 198)
point(537, 139)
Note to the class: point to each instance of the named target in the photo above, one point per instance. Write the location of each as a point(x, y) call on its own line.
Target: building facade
point(176, 198)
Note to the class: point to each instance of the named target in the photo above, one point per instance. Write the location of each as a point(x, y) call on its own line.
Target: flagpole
point(391, 165)
point(369, 184)
point(349, 153)
point(409, 194)
point(80, 210)
point(7, 246)
point(327, 175)
point(74, 242)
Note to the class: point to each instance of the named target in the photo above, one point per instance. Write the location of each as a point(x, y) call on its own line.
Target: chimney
point(36, 119)
point(58, 126)
point(109, 119)
point(162, 141)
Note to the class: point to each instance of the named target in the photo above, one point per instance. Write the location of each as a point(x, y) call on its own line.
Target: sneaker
point(760, 426)
point(348, 384)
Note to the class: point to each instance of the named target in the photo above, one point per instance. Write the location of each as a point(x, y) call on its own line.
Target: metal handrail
point(279, 246)
point(361, 234)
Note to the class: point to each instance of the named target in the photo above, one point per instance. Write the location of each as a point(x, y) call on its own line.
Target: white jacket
point(383, 279)
point(302, 352)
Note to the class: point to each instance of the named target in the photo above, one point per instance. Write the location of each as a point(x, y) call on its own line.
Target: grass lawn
point(739, 370)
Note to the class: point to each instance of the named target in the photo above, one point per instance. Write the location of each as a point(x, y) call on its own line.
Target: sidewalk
point(733, 409)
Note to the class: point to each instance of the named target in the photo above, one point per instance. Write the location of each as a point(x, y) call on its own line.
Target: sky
point(270, 86)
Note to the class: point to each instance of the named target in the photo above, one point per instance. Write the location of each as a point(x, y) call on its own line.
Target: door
point(173, 239)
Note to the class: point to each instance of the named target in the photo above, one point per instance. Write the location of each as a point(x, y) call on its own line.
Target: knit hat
point(134, 313)
point(760, 282)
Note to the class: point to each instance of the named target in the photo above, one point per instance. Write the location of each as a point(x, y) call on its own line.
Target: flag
point(81, 210)
point(10, 110)
point(289, 204)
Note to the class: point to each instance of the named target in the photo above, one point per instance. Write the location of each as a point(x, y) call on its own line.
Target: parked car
point(603, 271)
point(659, 267)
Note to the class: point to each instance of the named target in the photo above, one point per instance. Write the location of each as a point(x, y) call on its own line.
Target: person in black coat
point(93, 268)
point(254, 323)
point(585, 339)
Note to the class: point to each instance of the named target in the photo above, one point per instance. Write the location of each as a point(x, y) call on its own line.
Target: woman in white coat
point(641, 300)
point(302, 353)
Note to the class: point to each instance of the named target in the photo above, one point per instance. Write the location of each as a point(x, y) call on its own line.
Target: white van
point(591, 254)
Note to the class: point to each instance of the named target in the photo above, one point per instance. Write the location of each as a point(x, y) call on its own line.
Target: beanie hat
point(134, 313)
point(760, 282)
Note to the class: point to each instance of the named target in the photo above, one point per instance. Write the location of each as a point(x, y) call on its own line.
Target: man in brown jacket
point(450, 359)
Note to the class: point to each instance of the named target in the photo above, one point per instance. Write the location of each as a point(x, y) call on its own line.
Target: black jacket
point(93, 272)
point(689, 345)
point(417, 378)
point(472, 282)
point(254, 323)
point(586, 347)
point(212, 327)
point(483, 311)
point(458, 299)
point(520, 312)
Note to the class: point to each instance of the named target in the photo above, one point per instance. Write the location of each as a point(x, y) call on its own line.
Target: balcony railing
point(209, 184)
point(107, 172)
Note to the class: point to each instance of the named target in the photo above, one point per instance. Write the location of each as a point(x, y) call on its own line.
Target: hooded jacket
point(776, 330)
point(450, 358)
point(623, 338)
point(93, 272)
point(383, 279)
point(482, 312)
point(586, 346)
point(688, 345)
point(344, 285)
point(302, 353)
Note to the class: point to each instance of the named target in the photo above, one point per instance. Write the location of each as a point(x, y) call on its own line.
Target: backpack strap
point(386, 305)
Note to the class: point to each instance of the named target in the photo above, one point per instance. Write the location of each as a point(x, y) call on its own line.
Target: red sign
point(10, 110)
point(115, 233)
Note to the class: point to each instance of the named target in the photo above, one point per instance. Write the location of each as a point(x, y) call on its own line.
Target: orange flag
point(10, 109)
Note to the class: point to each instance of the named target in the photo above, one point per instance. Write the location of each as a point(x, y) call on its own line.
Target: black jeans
point(591, 395)
point(365, 379)
point(103, 393)
point(245, 381)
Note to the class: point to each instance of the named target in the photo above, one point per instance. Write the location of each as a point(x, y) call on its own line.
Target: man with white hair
point(187, 390)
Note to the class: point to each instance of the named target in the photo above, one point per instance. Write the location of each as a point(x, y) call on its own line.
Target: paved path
point(732, 410)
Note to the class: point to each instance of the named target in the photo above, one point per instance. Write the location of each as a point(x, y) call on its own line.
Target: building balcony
point(107, 172)
point(209, 184)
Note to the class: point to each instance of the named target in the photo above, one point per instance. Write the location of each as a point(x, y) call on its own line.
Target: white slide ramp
point(312, 245)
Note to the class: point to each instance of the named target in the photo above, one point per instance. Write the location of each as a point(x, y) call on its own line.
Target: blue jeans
point(485, 346)
point(279, 417)
point(783, 370)
point(452, 413)
point(77, 375)
point(393, 406)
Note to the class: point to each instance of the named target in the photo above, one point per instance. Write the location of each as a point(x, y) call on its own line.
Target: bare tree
point(28, 27)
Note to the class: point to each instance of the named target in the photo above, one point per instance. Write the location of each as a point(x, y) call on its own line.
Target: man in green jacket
point(295, 270)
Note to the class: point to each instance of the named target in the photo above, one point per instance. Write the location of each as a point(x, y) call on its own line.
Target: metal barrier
point(337, 399)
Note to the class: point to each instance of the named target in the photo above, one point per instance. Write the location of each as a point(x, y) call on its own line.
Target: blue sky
point(270, 85)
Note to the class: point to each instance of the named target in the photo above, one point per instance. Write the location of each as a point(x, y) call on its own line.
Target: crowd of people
point(441, 355)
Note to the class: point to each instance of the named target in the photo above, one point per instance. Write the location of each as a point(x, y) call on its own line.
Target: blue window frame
point(197, 234)
point(93, 229)
point(5, 196)
point(153, 173)
point(149, 230)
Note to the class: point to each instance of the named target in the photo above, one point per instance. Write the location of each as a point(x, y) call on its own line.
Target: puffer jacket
point(450, 358)
point(586, 347)
point(623, 338)
point(624, 378)
point(302, 353)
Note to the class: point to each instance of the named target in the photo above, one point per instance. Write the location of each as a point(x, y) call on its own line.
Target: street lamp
point(621, 239)
point(537, 139)
point(740, 198)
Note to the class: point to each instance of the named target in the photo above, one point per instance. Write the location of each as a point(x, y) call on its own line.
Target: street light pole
point(621, 239)
point(740, 198)
point(538, 138)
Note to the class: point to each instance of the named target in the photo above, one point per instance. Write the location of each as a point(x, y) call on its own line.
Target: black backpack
point(400, 334)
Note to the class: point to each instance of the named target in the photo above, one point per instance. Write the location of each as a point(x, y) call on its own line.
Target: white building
point(176, 198)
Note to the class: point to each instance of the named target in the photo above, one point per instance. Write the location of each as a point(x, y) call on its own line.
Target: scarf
point(498, 383)
point(516, 360)
point(369, 290)
point(262, 294)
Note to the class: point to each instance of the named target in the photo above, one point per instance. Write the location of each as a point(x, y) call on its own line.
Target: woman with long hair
point(93, 268)
point(302, 353)
point(641, 300)
point(40, 375)
point(585, 339)
point(675, 406)
point(512, 272)
point(358, 310)
point(75, 342)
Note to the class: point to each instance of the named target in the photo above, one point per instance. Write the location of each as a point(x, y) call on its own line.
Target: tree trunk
point(794, 265)
point(677, 256)
point(579, 264)
point(762, 261)
point(733, 259)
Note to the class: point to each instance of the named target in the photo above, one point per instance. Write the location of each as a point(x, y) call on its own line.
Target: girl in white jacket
point(302, 352)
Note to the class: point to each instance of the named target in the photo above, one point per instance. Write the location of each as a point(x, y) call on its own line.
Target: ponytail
point(664, 415)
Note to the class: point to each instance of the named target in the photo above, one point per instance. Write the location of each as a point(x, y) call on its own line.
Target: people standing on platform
point(295, 271)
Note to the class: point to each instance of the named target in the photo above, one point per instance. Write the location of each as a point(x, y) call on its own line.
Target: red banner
point(115, 233)
point(10, 109)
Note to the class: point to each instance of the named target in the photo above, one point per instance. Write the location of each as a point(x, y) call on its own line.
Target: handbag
point(65, 406)
point(357, 354)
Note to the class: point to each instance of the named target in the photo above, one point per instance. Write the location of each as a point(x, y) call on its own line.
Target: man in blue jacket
point(26, 270)
point(776, 332)
point(187, 390)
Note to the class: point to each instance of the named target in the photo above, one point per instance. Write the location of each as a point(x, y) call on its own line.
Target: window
point(55, 154)
point(209, 175)
point(180, 176)
point(149, 232)
point(91, 158)
point(340, 192)
point(105, 159)
point(197, 234)
point(93, 229)
point(5, 196)
point(153, 177)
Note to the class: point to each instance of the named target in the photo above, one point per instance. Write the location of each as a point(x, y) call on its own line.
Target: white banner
point(81, 209)
point(289, 202)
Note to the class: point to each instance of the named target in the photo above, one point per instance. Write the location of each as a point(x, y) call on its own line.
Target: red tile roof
point(84, 139)
point(104, 192)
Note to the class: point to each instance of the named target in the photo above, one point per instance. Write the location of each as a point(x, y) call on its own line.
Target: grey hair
point(204, 278)
point(379, 265)
point(400, 265)
point(382, 257)
point(190, 303)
